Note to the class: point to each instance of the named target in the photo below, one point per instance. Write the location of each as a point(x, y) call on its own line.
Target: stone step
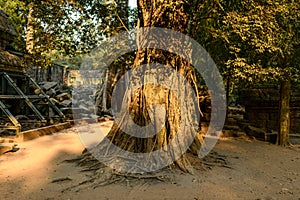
point(232, 127)
point(294, 139)
point(261, 134)
point(5, 147)
point(230, 121)
point(7, 140)
point(232, 133)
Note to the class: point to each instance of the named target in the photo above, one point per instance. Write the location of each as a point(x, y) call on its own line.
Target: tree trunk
point(30, 29)
point(142, 101)
point(113, 72)
point(103, 96)
point(284, 113)
point(227, 94)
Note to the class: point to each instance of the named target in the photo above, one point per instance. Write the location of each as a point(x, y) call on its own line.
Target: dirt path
point(258, 171)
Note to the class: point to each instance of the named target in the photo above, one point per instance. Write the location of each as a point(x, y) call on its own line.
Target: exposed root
point(106, 176)
point(103, 175)
point(216, 165)
point(158, 176)
point(61, 180)
point(215, 159)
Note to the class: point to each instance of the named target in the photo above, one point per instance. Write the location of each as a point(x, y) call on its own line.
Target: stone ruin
point(8, 61)
point(23, 103)
point(262, 110)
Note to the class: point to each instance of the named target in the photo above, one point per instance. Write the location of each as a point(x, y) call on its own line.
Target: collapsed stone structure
point(23, 103)
point(8, 61)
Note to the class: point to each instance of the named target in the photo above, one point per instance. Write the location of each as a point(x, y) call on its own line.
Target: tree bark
point(113, 72)
point(227, 94)
point(284, 113)
point(30, 29)
point(172, 15)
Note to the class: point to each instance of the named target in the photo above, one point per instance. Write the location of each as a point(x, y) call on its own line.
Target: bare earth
point(255, 170)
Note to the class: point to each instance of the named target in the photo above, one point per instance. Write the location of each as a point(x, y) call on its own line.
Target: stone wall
point(262, 108)
point(54, 73)
point(7, 32)
point(8, 61)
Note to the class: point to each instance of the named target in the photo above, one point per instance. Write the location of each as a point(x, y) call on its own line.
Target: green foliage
point(64, 28)
point(15, 9)
point(251, 40)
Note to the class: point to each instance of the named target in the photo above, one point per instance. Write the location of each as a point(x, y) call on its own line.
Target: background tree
point(122, 18)
point(262, 38)
point(253, 42)
point(61, 30)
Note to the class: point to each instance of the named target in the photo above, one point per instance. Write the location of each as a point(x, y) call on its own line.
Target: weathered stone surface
point(271, 137)
point(295, 139)
point(256, 132)
point(63, 96)
point(273, 116)
point(244, 125)
point(53, 73)
point(48, 85)
point(7, 31)
point(84, 108)
point(48, 130)
point(51, 92)
point(230, 121)
point(262, 108)
point(10, 62)
point(236, 109)
point(272, 125)
point(232, 127)
point(66, 103)
point(5, 147)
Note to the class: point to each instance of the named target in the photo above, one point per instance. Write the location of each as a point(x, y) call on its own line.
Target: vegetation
point(62, 30)
point(251, 42)
point(263, 41)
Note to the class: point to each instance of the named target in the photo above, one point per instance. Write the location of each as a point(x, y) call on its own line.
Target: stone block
point(274, 116)
point(256, 132)
point(5, 147)
point(260, 123)
point(63, 96)
point(66, 103)
point(48, 85)
point(272, 125)
point(262, 115)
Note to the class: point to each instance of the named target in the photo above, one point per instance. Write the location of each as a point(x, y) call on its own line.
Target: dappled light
point(142, 99)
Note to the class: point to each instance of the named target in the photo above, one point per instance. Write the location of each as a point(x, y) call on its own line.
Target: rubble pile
point(83, 99)
point(75, 103)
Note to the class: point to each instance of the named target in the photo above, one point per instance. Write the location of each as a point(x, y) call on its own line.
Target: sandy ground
point(257, 170)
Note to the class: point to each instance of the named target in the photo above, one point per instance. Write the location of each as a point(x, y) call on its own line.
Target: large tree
point(164, 144)
point(254, 42)
point(264, 41)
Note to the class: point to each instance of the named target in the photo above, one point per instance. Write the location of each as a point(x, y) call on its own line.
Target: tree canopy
point(59, 30)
